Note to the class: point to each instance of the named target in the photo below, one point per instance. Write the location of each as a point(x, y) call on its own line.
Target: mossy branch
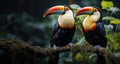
point(18, 47)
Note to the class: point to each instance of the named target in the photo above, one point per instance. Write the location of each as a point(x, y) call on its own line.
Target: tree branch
point(18, 47)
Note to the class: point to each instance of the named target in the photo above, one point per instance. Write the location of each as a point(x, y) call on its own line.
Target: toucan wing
point(55, 30)
point(101, 29)
point(102, 34)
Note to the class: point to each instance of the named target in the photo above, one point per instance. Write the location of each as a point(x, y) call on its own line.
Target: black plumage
point(60, 37)
point(93, 29)
point(63, 30)
point(97, 37)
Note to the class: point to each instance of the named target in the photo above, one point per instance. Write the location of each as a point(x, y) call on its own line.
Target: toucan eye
point(66, 8)
point(95, 10)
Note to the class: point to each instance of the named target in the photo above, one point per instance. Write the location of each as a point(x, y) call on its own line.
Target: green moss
point(20, 52)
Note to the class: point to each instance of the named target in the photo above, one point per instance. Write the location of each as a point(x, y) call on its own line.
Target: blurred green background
point(22, 19)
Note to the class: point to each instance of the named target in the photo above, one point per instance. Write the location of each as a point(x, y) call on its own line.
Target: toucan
point(93, 29)
point(63, 30)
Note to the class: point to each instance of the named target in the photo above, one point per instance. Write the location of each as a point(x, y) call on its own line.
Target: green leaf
point(115, 21)
point(106, 4)
point(110, 37)
point(79, 19)
point(112, 20)
point(108, 18)
point(78, 57)
point(114, 9)
point(117, 35)
point(113, 42)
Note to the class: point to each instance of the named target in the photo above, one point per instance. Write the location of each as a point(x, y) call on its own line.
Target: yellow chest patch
point(89, 24)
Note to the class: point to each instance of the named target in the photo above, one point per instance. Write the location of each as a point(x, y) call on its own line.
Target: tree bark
point(21, 49)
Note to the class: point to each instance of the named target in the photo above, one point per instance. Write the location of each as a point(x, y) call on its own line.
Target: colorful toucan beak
point(84, 10)
point(54, 10)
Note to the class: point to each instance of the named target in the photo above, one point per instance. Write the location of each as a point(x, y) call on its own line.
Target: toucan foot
point(54, 46)
point(70, 44)
point(96, 48)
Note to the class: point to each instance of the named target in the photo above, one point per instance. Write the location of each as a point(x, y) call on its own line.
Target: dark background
point(22, 19)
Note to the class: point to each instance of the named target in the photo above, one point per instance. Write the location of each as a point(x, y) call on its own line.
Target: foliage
point(113, 37)
point(112, 20)
point(115, 21)
point(79, 19)
point(106, 18)
point(113, 41)
point(107, 4)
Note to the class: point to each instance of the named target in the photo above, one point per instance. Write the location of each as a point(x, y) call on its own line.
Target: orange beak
point(84, 10)
point(54, 10)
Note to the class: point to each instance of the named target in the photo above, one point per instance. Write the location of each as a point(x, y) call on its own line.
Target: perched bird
point(64, 29)
point(93, 29)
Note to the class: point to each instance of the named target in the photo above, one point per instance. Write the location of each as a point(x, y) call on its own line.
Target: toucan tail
point(100, 59)
point(54, 59)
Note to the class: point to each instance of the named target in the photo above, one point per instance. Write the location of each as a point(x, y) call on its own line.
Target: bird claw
point(70, 44)
point(54, 46)
point(96, 48)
